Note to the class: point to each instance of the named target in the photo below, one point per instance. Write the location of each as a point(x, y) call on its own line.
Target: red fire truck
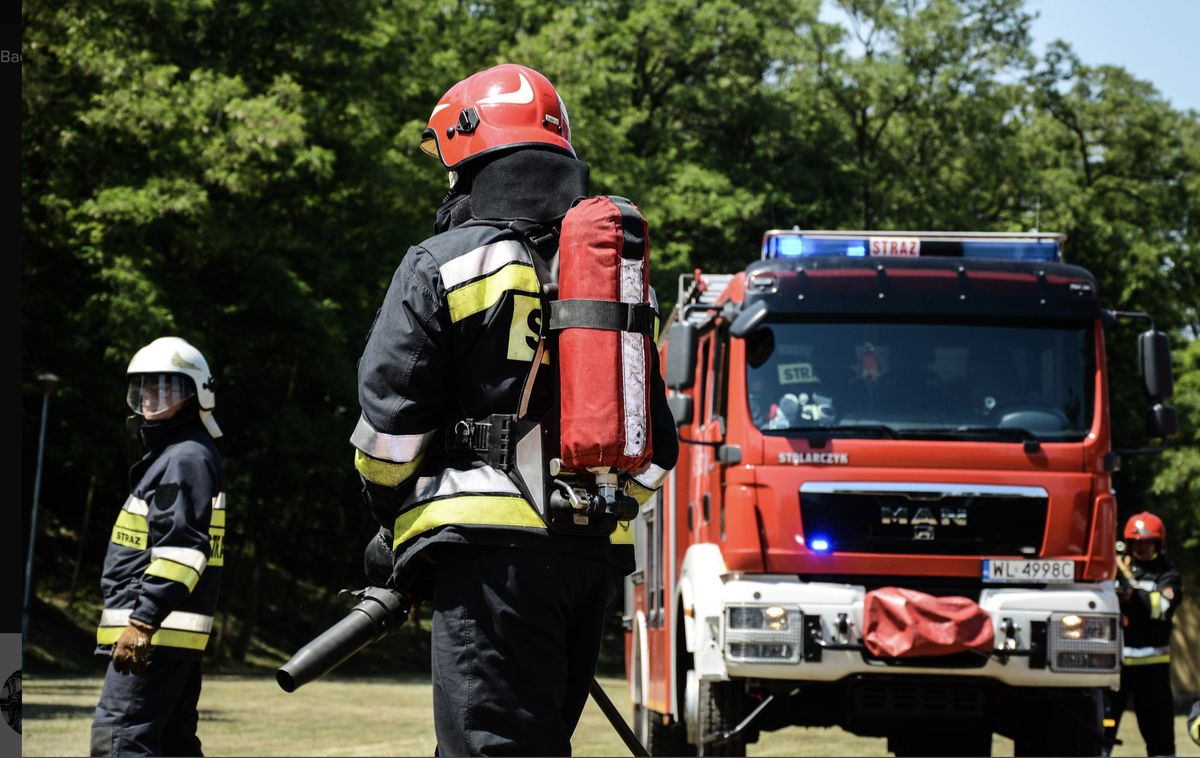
point(875, 417)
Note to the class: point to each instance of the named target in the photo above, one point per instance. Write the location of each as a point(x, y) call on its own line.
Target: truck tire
point(659, 738)
point(1063, 724)
point(722, 707)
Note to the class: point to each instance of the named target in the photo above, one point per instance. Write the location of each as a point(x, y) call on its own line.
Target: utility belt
point(569, 502)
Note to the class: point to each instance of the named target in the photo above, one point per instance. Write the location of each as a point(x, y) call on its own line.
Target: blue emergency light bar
point(1012, 246)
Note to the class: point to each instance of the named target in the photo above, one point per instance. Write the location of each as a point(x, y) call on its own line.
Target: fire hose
point(379, 613)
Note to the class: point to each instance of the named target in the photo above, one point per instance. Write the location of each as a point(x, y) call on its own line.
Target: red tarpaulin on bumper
point(903, 623)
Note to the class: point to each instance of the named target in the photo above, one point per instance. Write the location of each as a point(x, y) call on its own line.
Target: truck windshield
point(922, 380)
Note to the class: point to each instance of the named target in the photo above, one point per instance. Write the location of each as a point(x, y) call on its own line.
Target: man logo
point(923, 520)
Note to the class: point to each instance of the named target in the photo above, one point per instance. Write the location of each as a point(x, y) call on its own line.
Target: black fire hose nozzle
point(378, 613)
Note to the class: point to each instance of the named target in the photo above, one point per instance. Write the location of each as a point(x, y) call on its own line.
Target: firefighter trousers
point(151, 714)
point(1149, 687)
point(516, 636)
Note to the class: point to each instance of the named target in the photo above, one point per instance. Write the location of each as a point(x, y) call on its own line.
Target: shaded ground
point(250, 715)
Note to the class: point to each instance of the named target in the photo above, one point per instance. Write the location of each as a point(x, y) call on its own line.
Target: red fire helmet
point(502, 107)
point(1145, 526)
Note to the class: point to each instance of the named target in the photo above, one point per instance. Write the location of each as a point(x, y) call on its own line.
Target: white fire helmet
point(166, 373)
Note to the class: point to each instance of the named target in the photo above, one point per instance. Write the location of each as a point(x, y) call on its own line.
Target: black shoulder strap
point(541, 240)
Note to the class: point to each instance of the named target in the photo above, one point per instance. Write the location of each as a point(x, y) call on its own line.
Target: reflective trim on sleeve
point(482, 260)
point(1140, 656)
point(1156, 605)
point(131, 531)
point(651, 476)
point(136, 506)
point(179, 629)
point(639, 493)
point(478, 510)
point(386, 473)
point(216, 546)
point(1194, 729)
point(218, 519)
point(218, 502)
point(1146, 661)
point(176, 572)
point(397, 448)
point(484, 293)
point(179, 620)
point(622, 535)
point(190, 557)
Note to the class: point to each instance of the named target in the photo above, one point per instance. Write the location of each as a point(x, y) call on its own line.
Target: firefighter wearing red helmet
point(1150, 590)
point(517, 609)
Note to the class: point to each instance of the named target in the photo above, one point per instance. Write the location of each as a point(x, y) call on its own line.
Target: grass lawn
point(250, 715)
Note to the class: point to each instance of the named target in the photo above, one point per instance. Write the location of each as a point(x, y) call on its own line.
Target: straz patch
point(795, 459)
point(523, 333)
point(216, 556)
point(129, 538)
point(797, 373)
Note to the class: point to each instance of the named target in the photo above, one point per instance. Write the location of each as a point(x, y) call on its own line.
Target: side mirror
point(681, 356)
point(749, 319)
point(1162, 421)
point(1154, 363)
point(681, 408)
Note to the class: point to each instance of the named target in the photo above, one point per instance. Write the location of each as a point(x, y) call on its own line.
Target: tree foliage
point(246, 175)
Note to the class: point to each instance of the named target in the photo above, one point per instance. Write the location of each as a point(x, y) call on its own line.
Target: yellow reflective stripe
point(386, 473)
point(218, 518)
point(483, 294)
point(1155, 605)
point(108, 635)
point(176, 572)
point(1166, 658)
point(481, 510)
point(131, 530)
point(1194, 731)
point(216, 546)
point(638, 492)
point(622, 535)
point(176, 638)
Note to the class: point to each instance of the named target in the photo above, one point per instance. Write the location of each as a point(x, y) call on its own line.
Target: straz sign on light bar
point(894, 247)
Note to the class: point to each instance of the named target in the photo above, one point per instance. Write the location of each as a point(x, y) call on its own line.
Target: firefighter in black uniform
point(163, 567)
point(1149, 590)
point(517, 609)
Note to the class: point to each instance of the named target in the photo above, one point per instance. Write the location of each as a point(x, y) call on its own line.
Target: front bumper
point(832, 614)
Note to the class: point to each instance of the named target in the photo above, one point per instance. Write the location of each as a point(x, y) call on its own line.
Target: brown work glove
point(132, 651)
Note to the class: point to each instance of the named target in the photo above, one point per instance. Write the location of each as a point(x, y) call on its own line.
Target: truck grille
point(925, 519)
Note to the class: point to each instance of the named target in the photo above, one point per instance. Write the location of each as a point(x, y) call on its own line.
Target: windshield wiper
point(1009, 432)
point(884, 429)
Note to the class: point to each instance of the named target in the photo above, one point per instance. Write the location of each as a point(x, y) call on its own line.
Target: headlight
point(1084, 643)
point(763, 634)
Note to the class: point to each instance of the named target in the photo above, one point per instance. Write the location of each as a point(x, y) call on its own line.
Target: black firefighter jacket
point(1147, 613)
point(454, 339)
point(163, 565)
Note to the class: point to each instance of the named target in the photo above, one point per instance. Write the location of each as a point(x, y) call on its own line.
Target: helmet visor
point(154, 395)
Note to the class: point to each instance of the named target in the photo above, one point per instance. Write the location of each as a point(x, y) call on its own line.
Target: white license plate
point(1018, 571)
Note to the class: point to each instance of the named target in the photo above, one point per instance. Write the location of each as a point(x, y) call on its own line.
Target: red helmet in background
point(1145, 526)
point(505, 106)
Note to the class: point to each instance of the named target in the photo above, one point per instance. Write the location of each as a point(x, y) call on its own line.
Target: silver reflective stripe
point(481, 481)
point(178, 620)
point(1149, 585)
point(951, 489)
point(651, 477)
point(218, 502)
point(634, 373)
point(136, 506)
point(398, 448)
point(193, 559)
point(481, 261)
point(1145, 652)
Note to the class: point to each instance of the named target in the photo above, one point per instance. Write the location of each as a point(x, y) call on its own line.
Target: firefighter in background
point(1149, 590)
point(517, 611)
point(162, 570)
